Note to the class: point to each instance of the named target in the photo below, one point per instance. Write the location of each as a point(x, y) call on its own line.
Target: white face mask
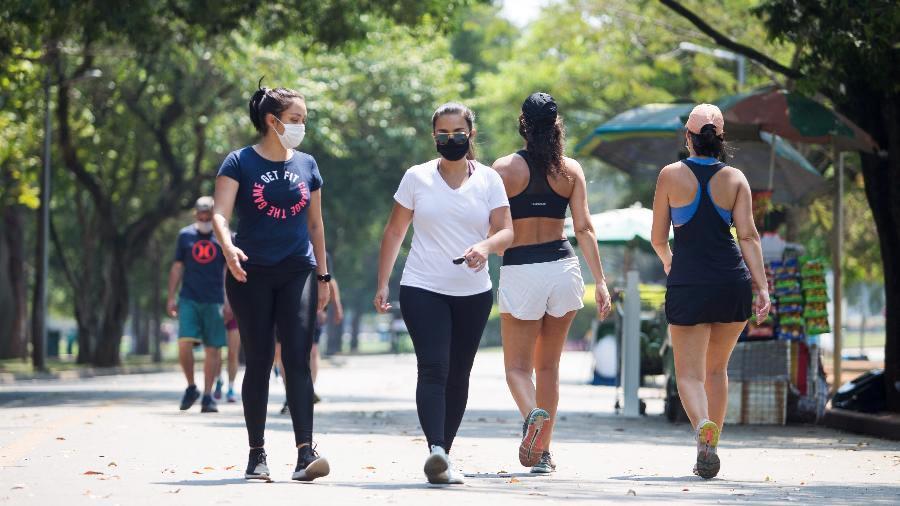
point(292, 136)
point(204, 227)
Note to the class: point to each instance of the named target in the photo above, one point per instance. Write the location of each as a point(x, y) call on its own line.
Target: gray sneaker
point(545, 465)
point(436, 466)
point(454, 476)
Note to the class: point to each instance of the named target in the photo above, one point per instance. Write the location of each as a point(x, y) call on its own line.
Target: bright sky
point(521, 12)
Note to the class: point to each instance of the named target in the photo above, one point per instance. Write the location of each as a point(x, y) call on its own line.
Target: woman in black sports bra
point(541, 287)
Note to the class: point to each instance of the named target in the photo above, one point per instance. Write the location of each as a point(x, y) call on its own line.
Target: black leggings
point(445, 331)
point(272, 298)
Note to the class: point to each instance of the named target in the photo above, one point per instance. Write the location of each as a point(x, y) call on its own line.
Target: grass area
point(872, 339)
point(17, 366)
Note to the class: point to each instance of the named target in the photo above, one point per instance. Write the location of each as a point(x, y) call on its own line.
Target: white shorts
point(529, 291)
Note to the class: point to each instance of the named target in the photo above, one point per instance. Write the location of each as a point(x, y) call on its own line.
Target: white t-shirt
point(445, 223)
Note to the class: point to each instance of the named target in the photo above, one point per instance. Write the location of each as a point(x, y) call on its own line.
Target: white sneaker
point(454, 476)
point(436, 466)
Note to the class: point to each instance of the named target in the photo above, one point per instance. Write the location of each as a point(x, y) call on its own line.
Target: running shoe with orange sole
point(708, 463)
point(530, 450)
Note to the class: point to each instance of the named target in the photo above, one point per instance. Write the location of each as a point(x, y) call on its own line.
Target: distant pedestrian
point(199, 267)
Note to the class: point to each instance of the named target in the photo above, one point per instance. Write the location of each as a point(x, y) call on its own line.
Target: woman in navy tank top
point(711, 277)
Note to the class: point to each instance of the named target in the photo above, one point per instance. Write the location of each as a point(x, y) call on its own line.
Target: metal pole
point(741, 73)
point(39, 325)
point(772, 163)
point(631, 345)
point(838, 261)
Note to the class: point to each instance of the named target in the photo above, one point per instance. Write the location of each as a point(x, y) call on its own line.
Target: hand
point(601, 295)
point(477, 256)
point(761, 305)
point(338, 314)
point(171, 308)
point(233, 257)
point(227, 313)
point(324, 295)
point(667, 267)
point(381, 300)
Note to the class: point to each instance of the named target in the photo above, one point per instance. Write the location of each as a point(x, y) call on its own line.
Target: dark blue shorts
point(699, 304)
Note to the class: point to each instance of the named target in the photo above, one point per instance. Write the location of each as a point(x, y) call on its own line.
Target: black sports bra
point(537, 200)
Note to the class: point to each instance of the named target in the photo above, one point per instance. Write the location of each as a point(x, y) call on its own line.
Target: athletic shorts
point(720, 303)
point(201, 323)
point(529, 291)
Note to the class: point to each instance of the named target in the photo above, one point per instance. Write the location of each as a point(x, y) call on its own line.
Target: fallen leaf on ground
point(60, 438)
point(18, 486)
point(196, 472)
point(631, 492)
point(369, 467)
point(112, 464)
point(173, 491)
point(91, 473)
point(768, 479)
point(207, 468)
point(229, 468)
point(685, 490)
point(513, 480)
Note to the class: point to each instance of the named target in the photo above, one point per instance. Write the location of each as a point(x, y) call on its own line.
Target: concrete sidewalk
point(122, 440)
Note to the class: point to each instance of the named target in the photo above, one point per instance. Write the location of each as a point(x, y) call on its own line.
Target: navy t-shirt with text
point(271, 206)
point(204, 266)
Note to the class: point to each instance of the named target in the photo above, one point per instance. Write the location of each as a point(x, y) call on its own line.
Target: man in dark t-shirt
point(199, 266)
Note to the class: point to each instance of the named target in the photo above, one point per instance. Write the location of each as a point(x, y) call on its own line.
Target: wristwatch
point(325, 278)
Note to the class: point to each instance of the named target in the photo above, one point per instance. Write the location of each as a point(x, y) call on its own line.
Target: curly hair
point(546, 144)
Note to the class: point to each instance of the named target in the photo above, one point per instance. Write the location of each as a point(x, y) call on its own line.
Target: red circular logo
point(204, 251)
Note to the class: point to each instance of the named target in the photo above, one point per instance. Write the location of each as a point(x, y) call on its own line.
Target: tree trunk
point(880, 118)
point(13, 333)
point(115, 310)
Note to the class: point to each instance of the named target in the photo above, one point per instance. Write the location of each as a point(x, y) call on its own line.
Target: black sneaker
point(208, 405)
point(257, 468)
point(191, 394)
point(285, 410)
point(310, 465)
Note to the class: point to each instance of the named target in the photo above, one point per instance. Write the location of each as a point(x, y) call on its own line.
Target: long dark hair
point(269, 101)
point(466, 113)
point(546, 144)
point(707, 143)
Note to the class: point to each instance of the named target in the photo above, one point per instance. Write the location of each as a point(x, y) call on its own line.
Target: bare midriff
point(537, 230)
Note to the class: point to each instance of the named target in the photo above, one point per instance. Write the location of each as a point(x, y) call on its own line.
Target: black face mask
point(453, 151)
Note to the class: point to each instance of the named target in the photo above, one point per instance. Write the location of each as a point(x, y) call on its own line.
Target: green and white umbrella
point(628, 227)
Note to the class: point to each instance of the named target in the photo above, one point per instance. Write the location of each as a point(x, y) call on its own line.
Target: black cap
point(539, 108)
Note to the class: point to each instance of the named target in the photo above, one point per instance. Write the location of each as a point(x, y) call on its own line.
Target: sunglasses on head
point(456, 137)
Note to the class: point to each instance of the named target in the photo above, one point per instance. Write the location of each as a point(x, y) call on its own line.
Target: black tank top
point(537, 200)
point(705, 252)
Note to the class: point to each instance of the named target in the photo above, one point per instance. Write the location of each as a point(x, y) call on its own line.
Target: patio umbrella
point(795, 117)
point(620, 227)
point(642, 140)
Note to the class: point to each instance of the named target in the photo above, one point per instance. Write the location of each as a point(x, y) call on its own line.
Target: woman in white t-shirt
point(460, 214)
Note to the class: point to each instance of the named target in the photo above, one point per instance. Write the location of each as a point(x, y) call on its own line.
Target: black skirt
point(699, 304)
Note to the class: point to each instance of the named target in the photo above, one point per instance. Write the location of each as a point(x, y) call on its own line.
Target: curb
point(883, 425)
point(10, 378)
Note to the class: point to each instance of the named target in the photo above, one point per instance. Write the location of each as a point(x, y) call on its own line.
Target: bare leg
point(546, 366)
point(519, 337)
point(234, 351)
point(212, 365)
point(690, 344)
point(722, 338)
point(186, 359)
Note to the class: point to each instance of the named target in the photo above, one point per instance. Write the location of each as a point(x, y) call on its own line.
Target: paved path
point(122, 440)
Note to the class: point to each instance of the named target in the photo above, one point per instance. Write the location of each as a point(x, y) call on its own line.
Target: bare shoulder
point(734, 175)
point(504, 164)
point(573, 168)
point(670, 170)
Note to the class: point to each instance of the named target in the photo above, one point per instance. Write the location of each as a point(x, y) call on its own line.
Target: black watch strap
point(325, 278)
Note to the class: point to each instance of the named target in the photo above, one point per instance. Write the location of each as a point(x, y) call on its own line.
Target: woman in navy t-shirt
point(277, 271)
